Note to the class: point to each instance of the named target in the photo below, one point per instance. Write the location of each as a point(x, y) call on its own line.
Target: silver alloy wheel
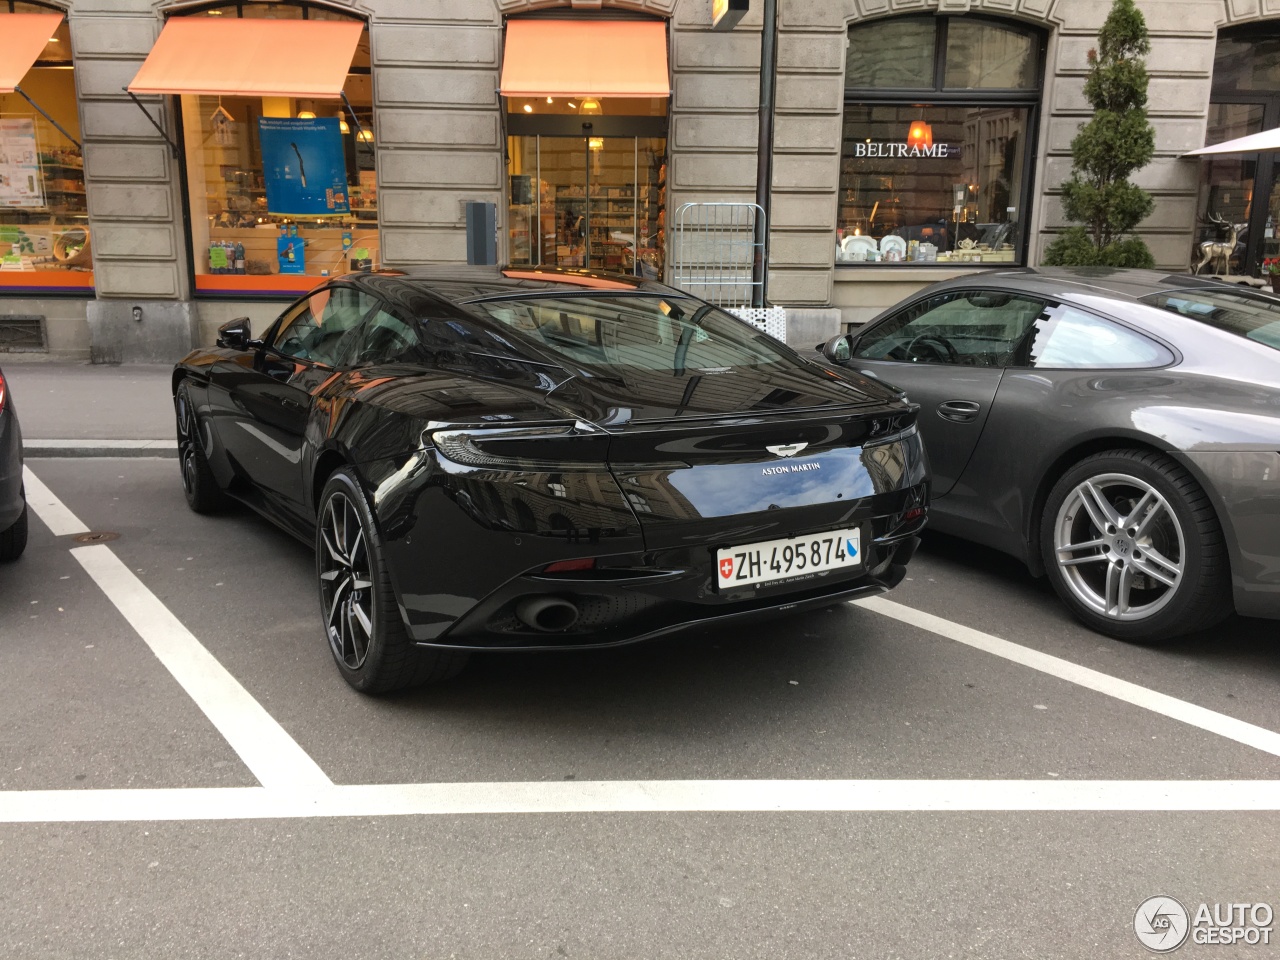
point(1119, 546)
point(187, 440)
point(345, 583)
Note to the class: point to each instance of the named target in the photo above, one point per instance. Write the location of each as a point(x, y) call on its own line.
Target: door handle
point(959, 411)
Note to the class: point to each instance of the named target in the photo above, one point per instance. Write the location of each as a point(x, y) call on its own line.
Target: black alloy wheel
point(1133, 547)
point(362, 621)
point(201, 489)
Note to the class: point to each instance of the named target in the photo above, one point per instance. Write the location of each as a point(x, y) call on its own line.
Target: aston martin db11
point(538, 460)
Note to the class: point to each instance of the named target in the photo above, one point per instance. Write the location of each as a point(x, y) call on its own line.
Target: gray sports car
point(1117, 430)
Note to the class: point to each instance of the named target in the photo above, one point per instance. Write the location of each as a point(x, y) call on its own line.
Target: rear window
point(637, 332)
point(1247, 314)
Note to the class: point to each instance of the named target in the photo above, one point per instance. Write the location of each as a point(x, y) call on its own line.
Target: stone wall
point(440, 137)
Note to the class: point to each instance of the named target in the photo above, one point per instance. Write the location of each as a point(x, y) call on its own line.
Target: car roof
point(468, 284)
point(1067, 283)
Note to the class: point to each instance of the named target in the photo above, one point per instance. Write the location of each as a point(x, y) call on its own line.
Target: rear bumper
point(468, 548)
point(623, 604)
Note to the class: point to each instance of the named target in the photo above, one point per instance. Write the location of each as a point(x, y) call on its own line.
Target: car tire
point(1134, 549)
point(14, 540)
point(358, 606)
point(201, 489)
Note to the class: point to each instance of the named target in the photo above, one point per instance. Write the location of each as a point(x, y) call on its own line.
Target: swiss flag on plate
point(726, 567)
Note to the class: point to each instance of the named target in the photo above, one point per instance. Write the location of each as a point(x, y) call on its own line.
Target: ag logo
point(1161, 924)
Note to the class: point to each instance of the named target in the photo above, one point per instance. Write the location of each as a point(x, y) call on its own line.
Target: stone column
point(435, 71)
point(143, 309)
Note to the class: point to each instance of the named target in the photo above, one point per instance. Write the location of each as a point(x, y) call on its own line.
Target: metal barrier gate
point(715, 249)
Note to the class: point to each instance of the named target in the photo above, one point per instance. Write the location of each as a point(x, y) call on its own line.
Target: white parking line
point(641, 796)
point(262, 744)
point(1250, 735)
point(266, 749)
point(60, 521)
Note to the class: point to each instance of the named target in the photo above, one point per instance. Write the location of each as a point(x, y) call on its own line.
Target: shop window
point(939, 121)
point(588, 202)
point(283, 190)
point(44, 224)
point(1239, 198)
point(587, 143)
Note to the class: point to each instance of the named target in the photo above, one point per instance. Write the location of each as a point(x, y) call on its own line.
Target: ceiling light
point(343, 126)
point(590, 105)
point(365, 136)
point(306, 114)
point(549, 100)
point(920, 134)
point(528, 108)
point(572, 105)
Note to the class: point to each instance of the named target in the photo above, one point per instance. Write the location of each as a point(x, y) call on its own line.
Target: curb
point(100, 448)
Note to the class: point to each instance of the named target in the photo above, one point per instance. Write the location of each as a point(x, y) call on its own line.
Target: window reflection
point(936, 178)
point(959, 200)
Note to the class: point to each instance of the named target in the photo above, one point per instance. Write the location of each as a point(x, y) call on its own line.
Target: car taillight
point(566, 566)
point(546, 448)
point(4, 394)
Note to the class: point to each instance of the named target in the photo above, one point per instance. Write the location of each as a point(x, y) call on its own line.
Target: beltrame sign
point(906, 150)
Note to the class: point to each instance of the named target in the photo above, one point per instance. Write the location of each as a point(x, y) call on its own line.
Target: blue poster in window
point(304, 167)
point(291, 254)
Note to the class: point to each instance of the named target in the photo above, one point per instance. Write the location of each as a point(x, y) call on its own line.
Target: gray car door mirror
point(838, 349)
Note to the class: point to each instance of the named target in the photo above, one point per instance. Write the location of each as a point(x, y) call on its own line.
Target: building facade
point(912, 140)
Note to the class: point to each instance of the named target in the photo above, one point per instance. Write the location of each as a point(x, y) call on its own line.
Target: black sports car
point(546, 460)
point(1118, 430)
point(13, 503)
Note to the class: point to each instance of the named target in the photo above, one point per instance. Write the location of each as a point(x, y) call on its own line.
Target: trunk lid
point(773, 475)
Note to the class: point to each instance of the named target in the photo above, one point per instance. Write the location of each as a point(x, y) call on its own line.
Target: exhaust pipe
point(547, 614)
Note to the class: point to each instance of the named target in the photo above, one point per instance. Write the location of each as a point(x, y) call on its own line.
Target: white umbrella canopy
point(1254, 143)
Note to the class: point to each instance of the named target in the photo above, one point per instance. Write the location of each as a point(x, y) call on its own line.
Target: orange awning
point(580, 58)
point(250, 57)
point(23, 39)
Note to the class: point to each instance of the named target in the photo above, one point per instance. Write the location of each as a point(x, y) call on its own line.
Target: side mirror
point(235, 335)
point(838, 349)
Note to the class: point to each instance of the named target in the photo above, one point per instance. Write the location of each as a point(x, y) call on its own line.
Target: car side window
point(382, 338)
point(315, 329)
point(1065, 337)
point(974, 328)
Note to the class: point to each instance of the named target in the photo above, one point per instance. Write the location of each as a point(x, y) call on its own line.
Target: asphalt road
point(701, 796)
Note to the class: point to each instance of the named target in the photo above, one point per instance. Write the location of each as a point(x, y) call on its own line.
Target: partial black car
point(1118, 430)
point(539, 460)
point(13, 501)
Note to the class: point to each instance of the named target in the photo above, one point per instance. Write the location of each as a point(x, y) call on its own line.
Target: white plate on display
point(857, 247)
point(892, 242)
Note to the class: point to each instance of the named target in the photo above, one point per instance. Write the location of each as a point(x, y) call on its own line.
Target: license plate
point(773, 561)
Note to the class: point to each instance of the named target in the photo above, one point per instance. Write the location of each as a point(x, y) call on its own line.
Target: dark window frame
point(938, 95)
point(174, 104)
point(1265, 169)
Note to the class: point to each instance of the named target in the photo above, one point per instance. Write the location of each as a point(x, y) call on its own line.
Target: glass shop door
point(587, 202)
